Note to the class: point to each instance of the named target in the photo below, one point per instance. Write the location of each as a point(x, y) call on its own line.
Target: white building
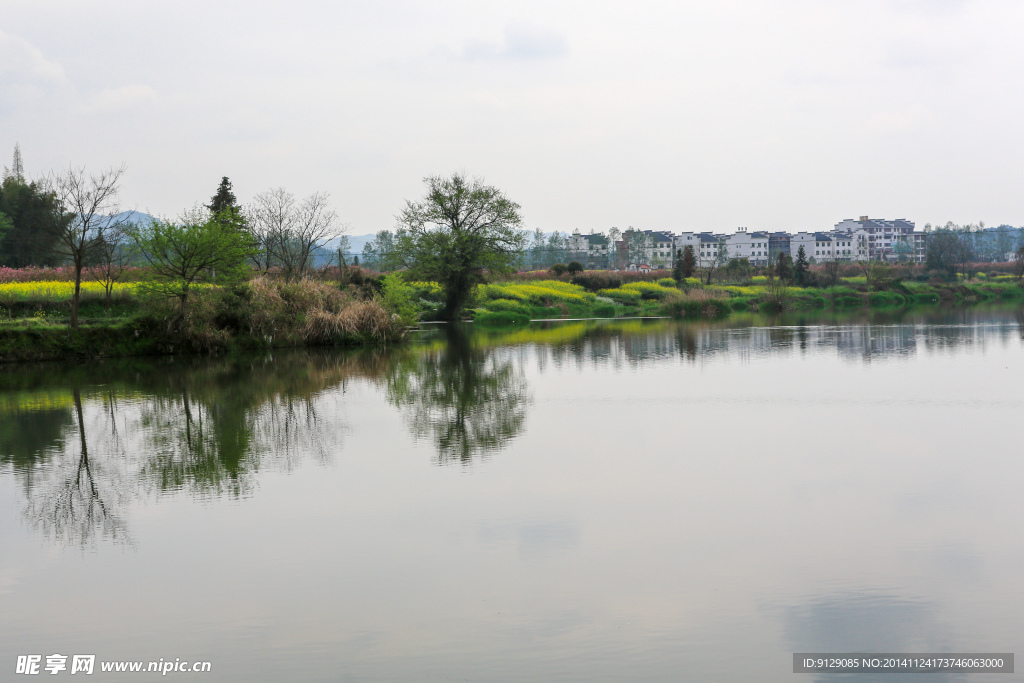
point(830, 246)
point(887, 240)
point(749, 245)
point(709, 249)
point(590, 250)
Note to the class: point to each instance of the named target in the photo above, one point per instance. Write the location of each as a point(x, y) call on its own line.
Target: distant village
point(864, 239)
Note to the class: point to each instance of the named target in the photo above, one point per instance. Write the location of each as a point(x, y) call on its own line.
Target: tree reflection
point(84, 440)
point(80, 499)
point(202, 426)
point(467, 400)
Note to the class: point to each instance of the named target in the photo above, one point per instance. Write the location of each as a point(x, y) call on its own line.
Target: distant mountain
point(136, 217)
point(356, 243)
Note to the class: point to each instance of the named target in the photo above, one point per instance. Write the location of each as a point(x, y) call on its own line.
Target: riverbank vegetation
point(349, 305)
point(90, 280)
point(608, 294)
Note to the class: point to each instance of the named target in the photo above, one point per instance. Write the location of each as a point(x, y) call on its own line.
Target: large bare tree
point(290, 231)
point(89, 217)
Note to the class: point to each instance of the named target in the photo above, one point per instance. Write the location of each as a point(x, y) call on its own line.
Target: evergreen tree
point(224, 198)
point(801, 268)
point(784, 266)
point(224, 206)
point(677, 269)
point(689, 263)
point(5, 226)
point(33, 213)
point(17, 169)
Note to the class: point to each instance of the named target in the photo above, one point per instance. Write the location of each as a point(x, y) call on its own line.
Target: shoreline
point(131, 338)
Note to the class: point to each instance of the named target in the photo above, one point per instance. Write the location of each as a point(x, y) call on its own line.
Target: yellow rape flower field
point(60, 291)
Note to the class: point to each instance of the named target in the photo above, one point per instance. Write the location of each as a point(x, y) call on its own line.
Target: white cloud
point(22, 63)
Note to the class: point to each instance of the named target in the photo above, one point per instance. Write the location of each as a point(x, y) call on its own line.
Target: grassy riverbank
point(142, 320)
point(510, 302)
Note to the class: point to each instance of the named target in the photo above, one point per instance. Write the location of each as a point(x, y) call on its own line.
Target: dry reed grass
point(317, 312)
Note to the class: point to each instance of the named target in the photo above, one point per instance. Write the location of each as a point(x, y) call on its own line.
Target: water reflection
point(868, 622)
point(84, 441)
point(127, 429)
point(858, 336)
point(466, 399)
point(80, 496)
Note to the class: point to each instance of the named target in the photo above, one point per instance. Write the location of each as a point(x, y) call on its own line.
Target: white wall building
point(749, 245)
point(590, 250)
point(710, 248)
point(828, 246)
point(887, 240)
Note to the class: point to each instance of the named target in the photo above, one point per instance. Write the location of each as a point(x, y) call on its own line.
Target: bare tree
point(270, 215)
point(89, 213)
point(289, 232)
point(831, 270)
point(111, 260)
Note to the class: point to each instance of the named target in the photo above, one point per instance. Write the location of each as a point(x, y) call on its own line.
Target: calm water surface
point(616, 500)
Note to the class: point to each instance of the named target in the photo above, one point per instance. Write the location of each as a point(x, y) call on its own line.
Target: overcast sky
point(660, 115)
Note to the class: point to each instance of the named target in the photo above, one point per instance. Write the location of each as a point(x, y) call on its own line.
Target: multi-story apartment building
point(778, 243)
point(887, 240)
point(706, 246)
point(651, 248)
point(661, 249)
point(850, 240)
point(688, 239)
point(749, 245)
point(829, 246)
point(710, 248)
point(590, 250)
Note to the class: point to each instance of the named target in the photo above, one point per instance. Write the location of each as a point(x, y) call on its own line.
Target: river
point(580, 500)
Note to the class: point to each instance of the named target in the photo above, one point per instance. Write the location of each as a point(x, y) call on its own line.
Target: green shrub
point(886, 299)
point(667, 282)
point(604, 311)
point(739, 304)
point(686, 307)
point(596, 280)
point(397, 298)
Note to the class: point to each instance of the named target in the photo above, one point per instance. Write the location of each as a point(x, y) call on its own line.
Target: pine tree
point(784, 266)
point(225, 206)
point(17, 170)
point(689, 263)
point(224, 198)
point(801, 267)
